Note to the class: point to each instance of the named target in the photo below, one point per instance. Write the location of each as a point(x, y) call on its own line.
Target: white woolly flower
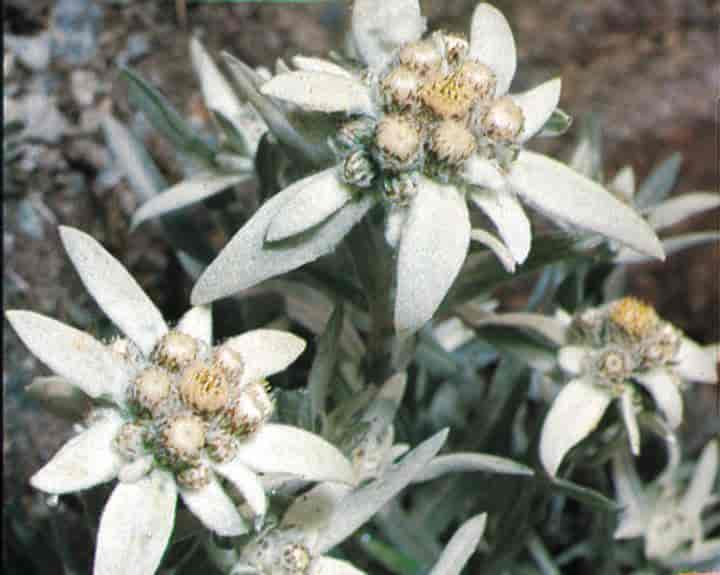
point(324, 517)
point(611, 353)
point(668, 518)
point(174, 415)
point(434, 112)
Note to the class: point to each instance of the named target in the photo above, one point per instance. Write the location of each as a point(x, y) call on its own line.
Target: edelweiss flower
point(320, 520)
point(172, 414)
point(429, 125)
point(607, 350)
point(667, 520)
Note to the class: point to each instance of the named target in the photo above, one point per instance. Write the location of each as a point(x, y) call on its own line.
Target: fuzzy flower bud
point(503, 120)
point(452, 142)
point(400, 87)
point(358, 132)
point(613, 365)
point(129, 441)
point(454, 47)
point(175, 351)
point(400, 189)
point(422, 56)
point(358, 169)
point(195, 477)
point(230, 362)
point(220, 445)
point(183, 437)
point(150, 388)
point(252, 407)
point(398, 143)
point(480, 77)
point(204, 388)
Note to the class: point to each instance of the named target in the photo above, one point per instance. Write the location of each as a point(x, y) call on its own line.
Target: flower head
point(619, 351)
point(173, 415)
point(435, 111)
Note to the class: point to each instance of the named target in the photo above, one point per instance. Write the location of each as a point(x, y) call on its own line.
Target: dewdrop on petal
point(398, 143)
point(204, 388)
point(502, 121)
point(150, 388)
point(452, 142)
point(175, 351)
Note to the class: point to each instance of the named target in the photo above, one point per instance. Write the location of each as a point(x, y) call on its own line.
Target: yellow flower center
point(634, 317)
point(450, 96)
point(204, 388)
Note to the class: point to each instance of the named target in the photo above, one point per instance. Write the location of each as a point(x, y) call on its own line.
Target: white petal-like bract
point(433, 247)
point(265, 352)
point(492, 43)
point(135, 526)
point(214, 508)
point(86, 460)
point(314, 200)
point(500, 250)
point(380, 27)
point(665, 391)
point(191, 191)
point(695, 363)
point(508, 215)
point(321, 92)
point(114, 289)
point(246, 260)
point(537, 106)
point(285, 449)
point(675, 210)
point(629, 417)
point(574, 414)
point(571, 358)
point(671, 246)
point(461, 546)
point(246, 482)
point(197, 323)
point(701, 485)
point(330, 566)
point(483, 173)
point(564, 194)
point(319, 65)
point(72, 354)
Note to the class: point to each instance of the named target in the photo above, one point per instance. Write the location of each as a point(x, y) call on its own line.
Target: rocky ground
point(647, 68)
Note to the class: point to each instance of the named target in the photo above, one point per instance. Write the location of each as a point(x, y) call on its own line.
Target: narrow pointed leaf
point(701, 486)
point(361, 504)
point(564, 194)
point(623, 185)
point(72, 354)
point(537, 105)
point(574, 414)
point(549, 327)
point(314, 200)
point(670, 245)
point(675, 210)
point(471, 463)
point(627, 411)
point(492, 43)
point(135, 526)
point(323, 367)
point(557, 125)
point(460, 547)
point(186, 193)
point(659, 183)
point(379, 28)
point(114, 289)
point(246, 260)
point(86, 460)
point(265, 352)
point(584, 495)
point(285, 449)
point(320, 92)
point(433, 247)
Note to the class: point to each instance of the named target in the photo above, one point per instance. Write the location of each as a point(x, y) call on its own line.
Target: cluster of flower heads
point(188, 401)
point(608, 351)
point(437, 106)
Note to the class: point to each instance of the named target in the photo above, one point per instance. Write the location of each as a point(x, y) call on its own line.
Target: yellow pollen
point(634, 316)
point(204, 388)
point(448, 97)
